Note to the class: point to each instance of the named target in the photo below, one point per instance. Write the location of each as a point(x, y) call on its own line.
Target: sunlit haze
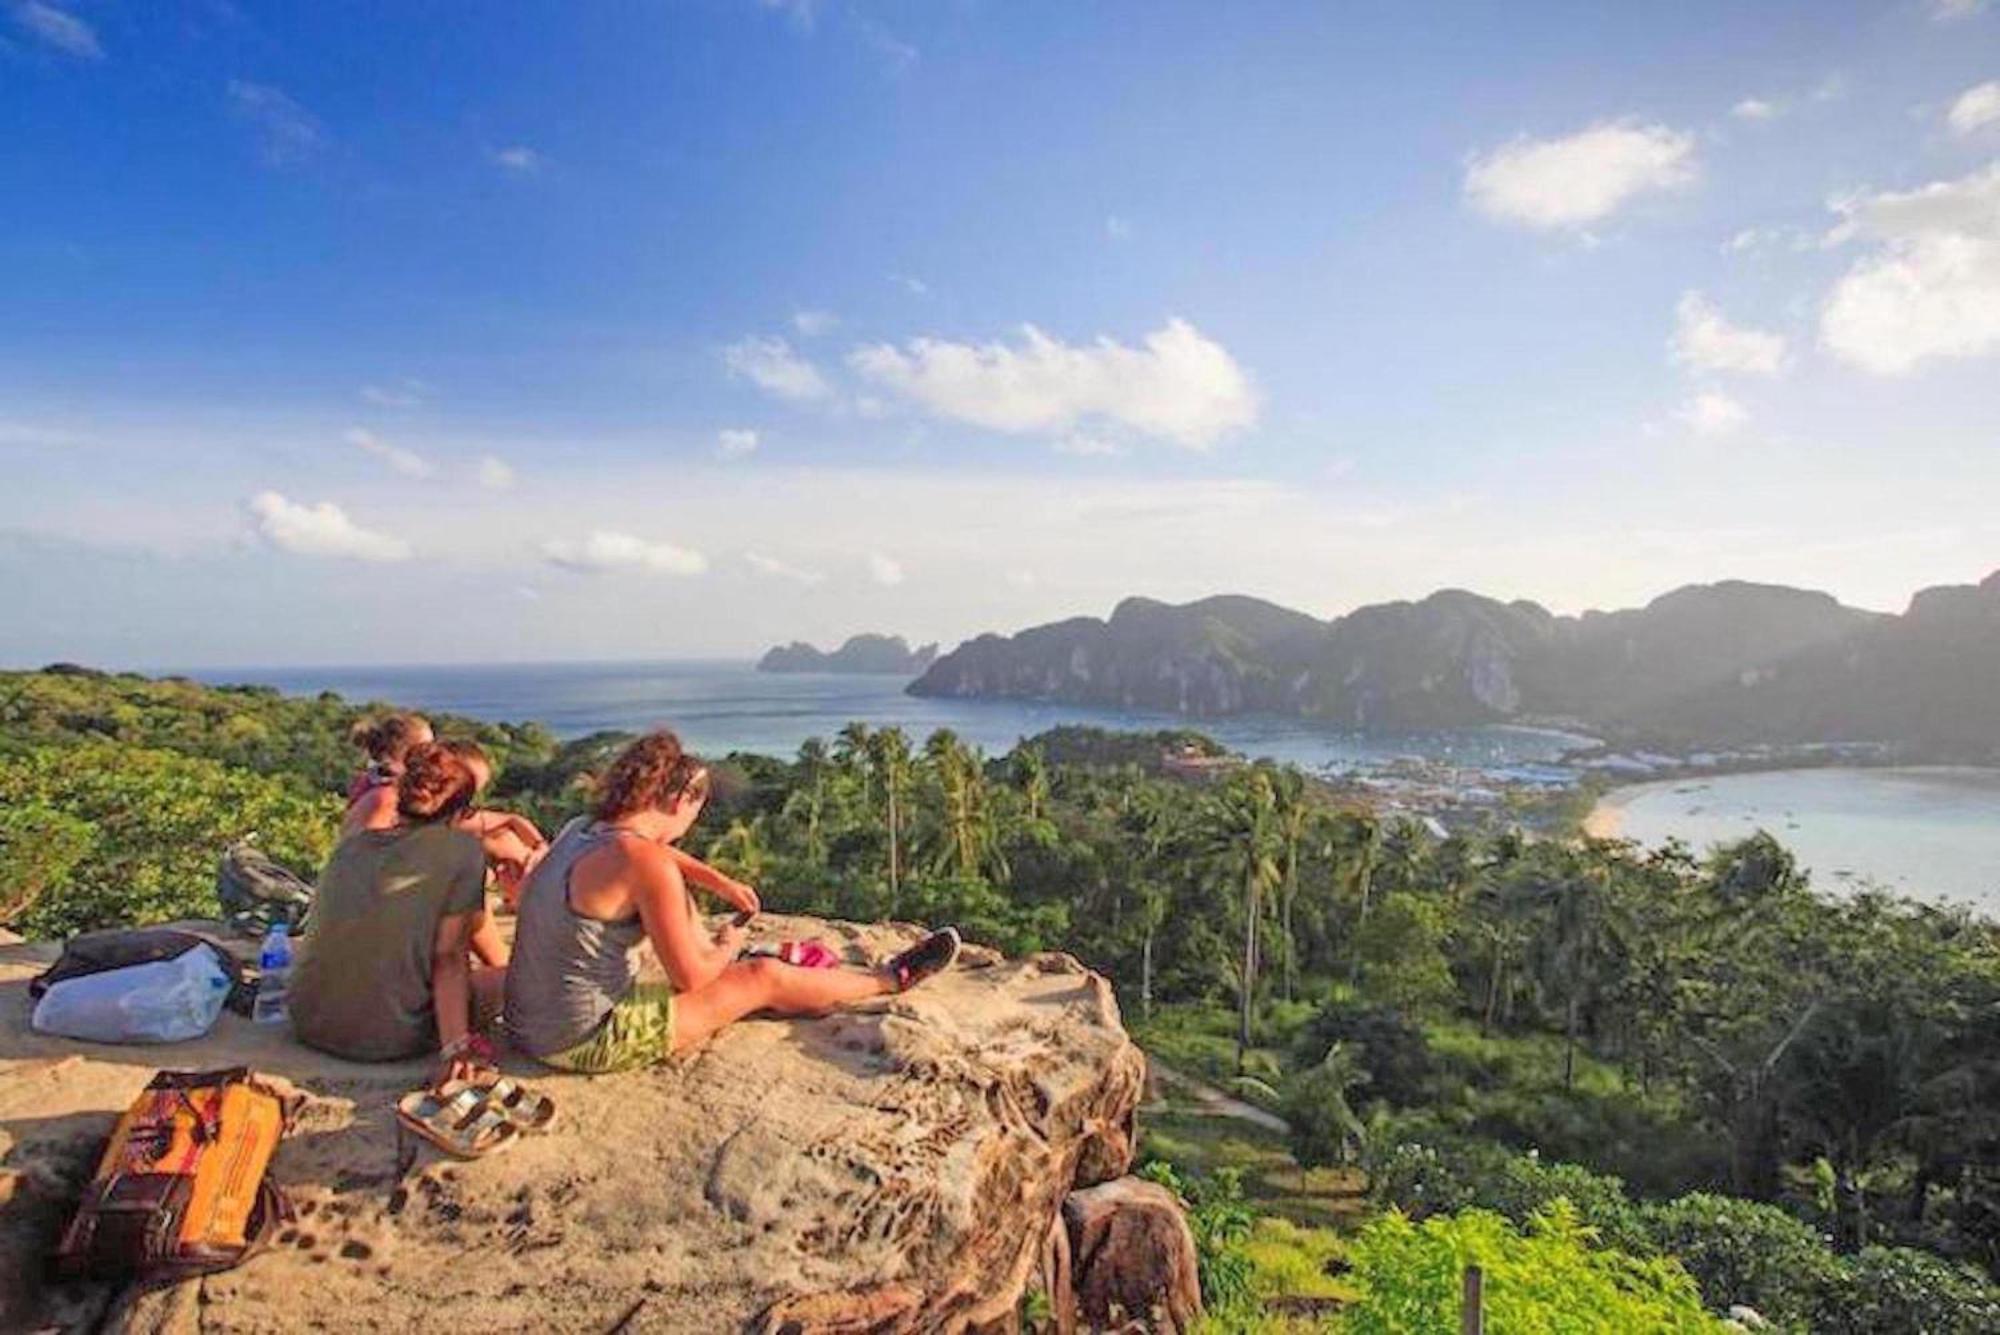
point(449, 333)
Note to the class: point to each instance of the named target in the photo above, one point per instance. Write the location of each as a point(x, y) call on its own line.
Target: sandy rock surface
point(897, 1167)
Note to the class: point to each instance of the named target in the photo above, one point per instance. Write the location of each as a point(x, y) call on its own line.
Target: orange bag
point(181, 1189)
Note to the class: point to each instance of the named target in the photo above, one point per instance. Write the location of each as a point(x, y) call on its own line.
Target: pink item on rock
point(809, 954)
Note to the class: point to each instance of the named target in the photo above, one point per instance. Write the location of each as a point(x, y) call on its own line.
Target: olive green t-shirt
point(361, 987)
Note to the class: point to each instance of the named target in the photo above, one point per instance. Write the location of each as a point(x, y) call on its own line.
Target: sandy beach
point(1607, 819)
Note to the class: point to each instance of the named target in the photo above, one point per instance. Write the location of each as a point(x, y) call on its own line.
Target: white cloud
point(1180, 386)
point(811, 323)
point(916, 287)
point(1580, 179)
point(606, 551)
point(1976, 108)
point(1755, 109)
point(1704, 339)
point(776, 569)
point(517, 158)
point(772, 366)
point(1713, 414)
point(403, 461)
point(1945, 11)
point(1756, 238)
point(58, 28)
point(286, 132)
point(1930, 287)
point(495, 473)
point(405, 393)
point(1117, 228)
point(885, 570)
point(735, 442)
point(1088, 446)
point(321, 530)
point(1022, 579)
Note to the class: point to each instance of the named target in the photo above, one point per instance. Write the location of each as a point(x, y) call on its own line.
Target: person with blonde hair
point(613, 882)
point(371, 793)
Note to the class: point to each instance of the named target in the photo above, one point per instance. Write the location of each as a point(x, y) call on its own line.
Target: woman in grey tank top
point(613, 881)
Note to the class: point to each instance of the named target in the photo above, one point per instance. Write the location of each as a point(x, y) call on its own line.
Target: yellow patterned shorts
point(638, 1032)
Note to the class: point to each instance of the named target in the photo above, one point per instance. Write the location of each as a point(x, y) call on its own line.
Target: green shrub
point(1901, 1291)
point(1391, 1047)
point(161, 820)
point(39, 848)
point(1318, 1105)
point(1421, 1173)
point(1547, 1278)
point(1221, 1223)
point(1745, 1252)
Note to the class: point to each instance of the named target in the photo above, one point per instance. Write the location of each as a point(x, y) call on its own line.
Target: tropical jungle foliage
point(1579, 1056)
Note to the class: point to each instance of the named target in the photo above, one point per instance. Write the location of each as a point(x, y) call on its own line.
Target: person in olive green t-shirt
point(385, 969)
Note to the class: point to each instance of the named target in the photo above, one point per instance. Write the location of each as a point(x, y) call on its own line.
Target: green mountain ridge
point(1711, 664)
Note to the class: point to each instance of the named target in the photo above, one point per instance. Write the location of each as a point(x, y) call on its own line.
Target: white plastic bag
point(162, 1002)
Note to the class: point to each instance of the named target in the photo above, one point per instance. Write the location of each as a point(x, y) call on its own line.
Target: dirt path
point(1212, 1102)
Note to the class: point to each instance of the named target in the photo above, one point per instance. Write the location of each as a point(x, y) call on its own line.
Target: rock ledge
point(899, 1168)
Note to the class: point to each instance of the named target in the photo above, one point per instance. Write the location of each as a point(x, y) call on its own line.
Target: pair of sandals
point(470, 1119)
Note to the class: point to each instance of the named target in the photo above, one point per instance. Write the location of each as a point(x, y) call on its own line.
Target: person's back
point(568, 970)
point(362, 986)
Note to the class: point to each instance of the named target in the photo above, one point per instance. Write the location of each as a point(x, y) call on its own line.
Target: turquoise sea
point(1930, 832)
point(729, 706)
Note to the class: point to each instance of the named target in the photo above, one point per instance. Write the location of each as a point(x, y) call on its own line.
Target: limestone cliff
point(1670, 669)
point(889, 655)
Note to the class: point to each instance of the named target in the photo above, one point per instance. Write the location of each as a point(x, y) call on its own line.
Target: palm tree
point(853, 749)
point(1293, 814)
point(1363, 852)
point(1148, 819)
point(888, 753)
point(807, 802)
point(1244, 846)
point(1031, 776)
point(739, 850)
point(1577, 915)
point(967, 842)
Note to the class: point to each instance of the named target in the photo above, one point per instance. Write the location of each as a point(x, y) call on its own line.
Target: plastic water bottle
point(274, 968)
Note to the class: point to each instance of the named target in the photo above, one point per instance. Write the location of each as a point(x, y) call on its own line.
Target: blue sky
point(461, 332)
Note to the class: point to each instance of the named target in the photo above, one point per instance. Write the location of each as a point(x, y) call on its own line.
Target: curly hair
point(649, 775)
point(389, 738)
point(471, 752)
point(436, 785)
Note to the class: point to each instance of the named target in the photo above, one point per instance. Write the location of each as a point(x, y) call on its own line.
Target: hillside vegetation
point(1638, 1086)
point(1708, 665)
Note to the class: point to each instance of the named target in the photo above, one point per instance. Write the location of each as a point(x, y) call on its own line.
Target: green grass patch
point(1272, 1182)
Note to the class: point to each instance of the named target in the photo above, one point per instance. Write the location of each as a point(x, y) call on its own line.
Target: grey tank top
point(567, 971)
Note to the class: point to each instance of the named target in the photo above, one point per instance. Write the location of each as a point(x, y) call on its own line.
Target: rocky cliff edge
point(901, 1167)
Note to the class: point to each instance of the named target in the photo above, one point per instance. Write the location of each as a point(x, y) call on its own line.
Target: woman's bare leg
point(749, 986)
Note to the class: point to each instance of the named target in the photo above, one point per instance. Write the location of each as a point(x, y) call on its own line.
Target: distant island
point(883, 654)
point(1707, 665)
